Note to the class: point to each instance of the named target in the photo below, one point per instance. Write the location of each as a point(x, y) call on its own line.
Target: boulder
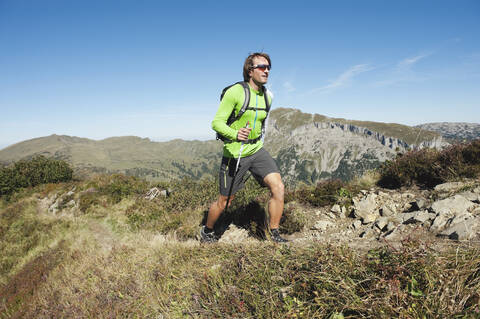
point(421, 203)
point(366, 209)
point(461, 218)
point(423, 216)
point(390, 226)
point(368, 233)
point(388, 210)
point(336, 209)
point(464, 230)
point(381, 223)
point(471, 196)
point(155, 192)
point(452, 206)
point(357, 224)
point(439, 223)
point(408, 218)
point(449, 187)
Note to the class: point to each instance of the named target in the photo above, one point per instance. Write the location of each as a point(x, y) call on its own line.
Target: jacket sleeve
point(227, 106)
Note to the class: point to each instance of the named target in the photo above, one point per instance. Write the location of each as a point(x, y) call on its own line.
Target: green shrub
point(325, 193)
point(87, 200)
point(118, 186)
point(29, 173)
point(428, 168)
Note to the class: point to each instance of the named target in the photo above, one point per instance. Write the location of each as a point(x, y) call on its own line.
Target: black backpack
point(232, 118)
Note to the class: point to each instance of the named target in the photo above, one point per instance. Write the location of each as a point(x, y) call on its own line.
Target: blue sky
point(155, 69)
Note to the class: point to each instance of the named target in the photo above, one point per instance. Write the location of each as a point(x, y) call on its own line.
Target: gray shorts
point(259, 164)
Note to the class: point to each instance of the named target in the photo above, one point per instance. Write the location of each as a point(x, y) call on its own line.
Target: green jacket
point(233, 101)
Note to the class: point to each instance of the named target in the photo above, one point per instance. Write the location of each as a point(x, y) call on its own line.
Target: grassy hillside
point(289, 119)
point(131, 155)
point(105, 251)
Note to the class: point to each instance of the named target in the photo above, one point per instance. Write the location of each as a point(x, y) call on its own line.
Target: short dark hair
point(248, 65)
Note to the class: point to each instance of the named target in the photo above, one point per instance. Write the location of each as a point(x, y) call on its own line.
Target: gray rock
point(460, 218)
point(357, 224)
point(439, 223)
point(423, 216)
point(449, 187)
point(407, 207)
point(471, 196)
point(476, 211)
point(155, 192)
point(323, 225)
point(408, 218)
point(366, 209)
point(368, 233)
point(408, 195)
point(164, 193)
point(331, 215)
point(452, 206)
point(343, 213)
point(336, 209)
point(381, 223)
point(383, 194)
point(459, 231)
point(421, 203)
point(387, 210)
point(390, 226)
point(395, 233)
point(397, 219)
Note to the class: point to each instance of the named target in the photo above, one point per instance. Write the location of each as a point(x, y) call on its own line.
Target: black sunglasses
point(262, 67)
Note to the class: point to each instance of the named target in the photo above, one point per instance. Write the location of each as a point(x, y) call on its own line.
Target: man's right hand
point(243, 133)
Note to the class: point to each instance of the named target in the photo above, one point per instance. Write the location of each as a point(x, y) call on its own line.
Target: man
point(254, 158)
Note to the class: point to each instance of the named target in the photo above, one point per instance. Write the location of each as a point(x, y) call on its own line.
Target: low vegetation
point(428, 167)
point(29, 173)
point(114, 253)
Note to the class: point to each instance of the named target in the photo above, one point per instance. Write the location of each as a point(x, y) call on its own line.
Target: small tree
point(29, 173)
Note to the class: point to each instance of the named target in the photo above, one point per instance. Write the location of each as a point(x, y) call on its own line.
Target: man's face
point(259, 75)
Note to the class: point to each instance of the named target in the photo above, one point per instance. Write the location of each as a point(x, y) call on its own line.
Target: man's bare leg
point(275, 205)
point(216, 209)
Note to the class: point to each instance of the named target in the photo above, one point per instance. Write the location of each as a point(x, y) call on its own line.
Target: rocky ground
point(450, 213)
point(375, 217)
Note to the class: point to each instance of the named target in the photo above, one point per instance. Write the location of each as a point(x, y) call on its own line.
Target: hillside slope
point(307, 148)
point(131, 155)
point(77, 250)
point(311, 147)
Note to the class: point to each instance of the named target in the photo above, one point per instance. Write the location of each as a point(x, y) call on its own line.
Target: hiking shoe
point(275, 236)
point(207, 237)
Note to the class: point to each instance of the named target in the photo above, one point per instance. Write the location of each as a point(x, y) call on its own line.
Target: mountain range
point(307, 148)
point(454, 132)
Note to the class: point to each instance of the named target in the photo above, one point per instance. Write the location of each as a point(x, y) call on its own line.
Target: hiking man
point(242, 138)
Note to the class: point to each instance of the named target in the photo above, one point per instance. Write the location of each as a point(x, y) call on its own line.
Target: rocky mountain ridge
point(454, 131)
point(307, 148)
point(310, 147)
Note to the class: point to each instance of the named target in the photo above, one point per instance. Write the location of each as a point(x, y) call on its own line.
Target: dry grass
point(99, 264)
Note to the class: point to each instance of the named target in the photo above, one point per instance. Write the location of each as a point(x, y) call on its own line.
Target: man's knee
point(222, 201)
point(274, 181)
point(278, 189)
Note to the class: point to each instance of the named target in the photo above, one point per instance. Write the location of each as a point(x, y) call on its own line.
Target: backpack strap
point(245, 107)
point(267, 109)
point(246, 102)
